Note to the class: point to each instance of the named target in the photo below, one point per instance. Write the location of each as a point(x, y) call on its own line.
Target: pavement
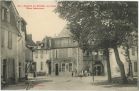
point(72, 83)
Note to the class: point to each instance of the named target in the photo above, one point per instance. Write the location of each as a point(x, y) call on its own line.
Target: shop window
point(135, 66)
point(63, 67)
point(70, 67)
point(41, 65)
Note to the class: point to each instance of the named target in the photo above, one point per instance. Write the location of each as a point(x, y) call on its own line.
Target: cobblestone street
point(73, 83)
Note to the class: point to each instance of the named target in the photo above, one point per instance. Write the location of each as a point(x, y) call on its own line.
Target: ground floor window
point(41, 65)
point(70, 67)
point(63, 67)
point(135, 66)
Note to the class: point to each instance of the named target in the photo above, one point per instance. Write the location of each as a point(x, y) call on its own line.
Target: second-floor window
point(2, 38)
point(10, 40)
point(36, 54)
point(133, 51)
point(41, 55)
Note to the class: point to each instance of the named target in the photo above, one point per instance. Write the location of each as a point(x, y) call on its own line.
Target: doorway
point(98, 70)
point(4, 69)
point(49, 68)
point(19, 70)
point(56, 70)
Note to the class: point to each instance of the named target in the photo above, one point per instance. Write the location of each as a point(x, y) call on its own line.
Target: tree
point(81, 30)
point(108, 22)
point(130, 42)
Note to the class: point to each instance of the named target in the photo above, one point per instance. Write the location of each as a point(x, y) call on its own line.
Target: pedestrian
point(34, 74)
point(72, 73)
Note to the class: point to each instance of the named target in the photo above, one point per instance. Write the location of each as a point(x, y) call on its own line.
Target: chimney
point(38, 42)
point(29, 36)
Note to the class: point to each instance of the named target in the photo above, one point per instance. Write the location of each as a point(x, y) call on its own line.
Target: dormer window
point(18, 24)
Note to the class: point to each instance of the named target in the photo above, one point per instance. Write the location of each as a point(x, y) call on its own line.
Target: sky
point(40, 17)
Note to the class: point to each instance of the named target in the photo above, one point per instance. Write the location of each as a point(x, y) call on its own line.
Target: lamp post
point(93, 71)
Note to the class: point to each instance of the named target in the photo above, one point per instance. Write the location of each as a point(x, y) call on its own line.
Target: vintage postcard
point(69, 45)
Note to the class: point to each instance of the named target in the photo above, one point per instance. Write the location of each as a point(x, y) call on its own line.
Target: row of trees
point(102, 24)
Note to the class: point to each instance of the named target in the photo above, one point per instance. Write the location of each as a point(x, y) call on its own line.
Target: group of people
point(81, 74)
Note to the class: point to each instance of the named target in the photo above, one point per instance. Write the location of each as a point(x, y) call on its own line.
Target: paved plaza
point(72, 83)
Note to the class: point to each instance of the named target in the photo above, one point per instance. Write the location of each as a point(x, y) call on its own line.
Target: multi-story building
point(21, 47)
point(65, 57)
point(39, 58)
point(13, 29)
point(30, 45)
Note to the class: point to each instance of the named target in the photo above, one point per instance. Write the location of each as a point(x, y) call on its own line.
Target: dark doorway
point(98, 70)
point(56, 70)
point(19, 70)
point(4, 69)
point(49, 68)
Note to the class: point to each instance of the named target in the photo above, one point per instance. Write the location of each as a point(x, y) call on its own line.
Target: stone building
point(39, 58)
point(65, 57)
point(13, 29)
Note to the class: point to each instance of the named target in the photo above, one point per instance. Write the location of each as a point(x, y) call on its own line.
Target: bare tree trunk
point(108, 64)
point(130, 73)
point(120, 64)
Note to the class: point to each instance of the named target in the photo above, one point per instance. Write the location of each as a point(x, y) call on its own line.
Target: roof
point(30, 42)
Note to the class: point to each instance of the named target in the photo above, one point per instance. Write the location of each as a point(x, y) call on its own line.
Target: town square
point(69, 45)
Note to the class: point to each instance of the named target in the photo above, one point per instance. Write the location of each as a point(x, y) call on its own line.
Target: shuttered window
point(10, 40)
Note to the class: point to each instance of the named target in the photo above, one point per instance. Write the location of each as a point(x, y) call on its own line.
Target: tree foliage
point(99, 23)
point(108, 22)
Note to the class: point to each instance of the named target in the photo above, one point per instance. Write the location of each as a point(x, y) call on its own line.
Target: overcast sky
point(40, 22)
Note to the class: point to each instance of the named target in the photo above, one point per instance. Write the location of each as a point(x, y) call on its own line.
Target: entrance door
point(4, 69)
point(49, 67)
point(19, 70)
point(97, 70)
point(56, 70)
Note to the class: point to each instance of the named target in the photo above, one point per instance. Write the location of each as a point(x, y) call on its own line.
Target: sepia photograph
point(69, 45)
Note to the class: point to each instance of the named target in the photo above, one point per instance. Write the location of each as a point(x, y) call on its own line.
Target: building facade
point(12, 43)
point(65, 58)
point(21, 48)
point(40, 57)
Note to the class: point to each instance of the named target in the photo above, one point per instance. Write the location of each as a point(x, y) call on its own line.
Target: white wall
point(40, 59)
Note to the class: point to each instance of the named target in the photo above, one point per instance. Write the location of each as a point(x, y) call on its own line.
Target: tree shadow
point(107, 84)
point(14, 87)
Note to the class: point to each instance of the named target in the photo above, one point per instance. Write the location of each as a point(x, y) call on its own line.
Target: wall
point(10, 54)
point(15, 53)
point(66, 56)
point(39, 56)
point(21, 54)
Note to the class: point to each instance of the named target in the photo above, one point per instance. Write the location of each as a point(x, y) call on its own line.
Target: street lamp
point(93, 53)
